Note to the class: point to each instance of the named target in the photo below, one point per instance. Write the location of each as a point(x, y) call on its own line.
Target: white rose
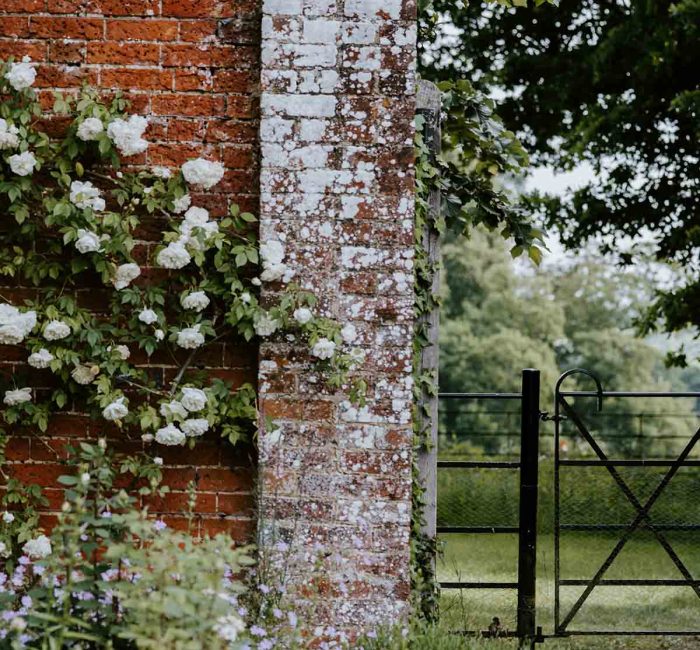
point(161, 172)
point(126, 134)
point(202, 172)
point(8, 135)
point(181, 204)
point(147, 437)
point(302, 315)
point(190, 337)
point(21, 75)
point(56, 330)
point(349, 333)
point(38, 548)
point(159, 334)
point(229, 627)
point(84, 375)
point(195, 427)
point(87, 242)
point(116, 410)
point(123, 351)
point(193, 399)
point(15, 325)
point(197, 300)
point(357, 356)
point(19, 396)
point(40, 359)
point(125, 274)
point(23, 163)
point(173, 256)
point(8, 517)
point(245, 298)
point(148, 316)
point(85, 195)
point(170, 435)
point(323, 348)
point(90, 128)
point(272, 254)
point(173, 409)
point(157, 460)
point(265, 325)
point(197, 216)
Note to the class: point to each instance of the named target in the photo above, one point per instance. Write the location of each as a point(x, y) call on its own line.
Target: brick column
point(337, 188)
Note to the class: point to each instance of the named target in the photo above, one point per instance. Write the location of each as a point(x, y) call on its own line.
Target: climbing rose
point(23, 163)
point(195, 427)
point(272, 254)
point(181, 204)
point(56, 330)
point(125, 274)
point(126, 134)
point(172, 409)
point(14, 397)
point(174, 256)
point(40, 359)
point(349, 333)
point(265, 325)
point(115, 410)
point(87, 242)
point(85, 375)
point(90, 128)
point(203, 173)
point(170, 435)
point(8, 135)
point(123, 351)
point(148, 316)
point(323, 348)
point(15, 325)
point(159, 334)
point(21, 75)
point(197, 300)
point(161, 172)
point(190, 337)
point(193, 399)
point(85, 195)
point(302, 315)
point(38, 548)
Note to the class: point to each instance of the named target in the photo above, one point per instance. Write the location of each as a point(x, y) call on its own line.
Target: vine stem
point(188, 362)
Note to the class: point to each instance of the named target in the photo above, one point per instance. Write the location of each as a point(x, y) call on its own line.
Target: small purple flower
point(159, 525)
point(265, 644)
point(256, 630)
point(264, 588)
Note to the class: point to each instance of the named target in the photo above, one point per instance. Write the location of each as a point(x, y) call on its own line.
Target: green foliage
point(611, 85)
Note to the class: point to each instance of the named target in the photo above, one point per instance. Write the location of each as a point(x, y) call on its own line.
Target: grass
point(493, 558)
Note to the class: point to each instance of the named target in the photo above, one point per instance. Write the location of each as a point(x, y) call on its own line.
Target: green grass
point(494, 558)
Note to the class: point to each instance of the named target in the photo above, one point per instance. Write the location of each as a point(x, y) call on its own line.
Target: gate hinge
point(546, 417)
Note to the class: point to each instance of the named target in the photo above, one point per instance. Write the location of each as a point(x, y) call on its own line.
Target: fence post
point(527, 547)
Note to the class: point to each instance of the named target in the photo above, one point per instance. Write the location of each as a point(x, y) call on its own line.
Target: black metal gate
point(567, 409)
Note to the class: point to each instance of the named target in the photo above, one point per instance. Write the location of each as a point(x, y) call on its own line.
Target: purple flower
point(256, 630)
point(159, 525)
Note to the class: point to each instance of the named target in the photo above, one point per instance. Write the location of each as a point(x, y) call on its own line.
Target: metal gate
point(567, 409)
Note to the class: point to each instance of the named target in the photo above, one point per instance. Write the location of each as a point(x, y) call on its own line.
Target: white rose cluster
point(14, 324)
point(115, 410)
point(195, 300)
point(203, 173)
point(8, 135)
point(21, 75)
point(22, 164)
point(191, 400)
point(190, 337)
point(18, 396)
point(56, 330)
point(90, 129)
point(127, 135)
point(274, 268)
point(196, 230)
point(125, 275)
point(87, 242)
point(40, 359)
point(173, 409)
point(85, 195)
point(38, 548)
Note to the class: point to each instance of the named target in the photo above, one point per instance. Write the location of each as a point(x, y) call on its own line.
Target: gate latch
point(546, 417)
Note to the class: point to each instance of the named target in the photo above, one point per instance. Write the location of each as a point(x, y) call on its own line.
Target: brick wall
point(337, 110)
point(192, 67)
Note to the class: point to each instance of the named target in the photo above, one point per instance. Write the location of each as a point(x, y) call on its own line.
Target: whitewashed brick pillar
point(337, 187)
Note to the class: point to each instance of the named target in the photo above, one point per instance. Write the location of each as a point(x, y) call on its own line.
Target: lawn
point(494, 558)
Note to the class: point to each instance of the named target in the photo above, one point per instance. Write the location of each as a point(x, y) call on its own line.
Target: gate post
point(527, 547)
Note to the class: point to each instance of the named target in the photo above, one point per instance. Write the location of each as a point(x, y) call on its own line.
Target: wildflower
point(23, 163)
point(256, 630)
point(19, 396)
point(159, 525)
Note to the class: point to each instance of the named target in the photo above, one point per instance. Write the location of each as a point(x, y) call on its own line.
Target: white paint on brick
point(299, 105)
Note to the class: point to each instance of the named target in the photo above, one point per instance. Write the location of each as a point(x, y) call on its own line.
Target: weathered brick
point(142, 30)
point(123, 53)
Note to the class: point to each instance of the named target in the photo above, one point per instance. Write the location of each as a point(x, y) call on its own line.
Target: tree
point(614, 84)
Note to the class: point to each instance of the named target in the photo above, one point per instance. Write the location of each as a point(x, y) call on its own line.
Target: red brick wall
point(192, 67)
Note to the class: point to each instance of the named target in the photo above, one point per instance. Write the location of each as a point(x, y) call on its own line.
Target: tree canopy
point(614, 84)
